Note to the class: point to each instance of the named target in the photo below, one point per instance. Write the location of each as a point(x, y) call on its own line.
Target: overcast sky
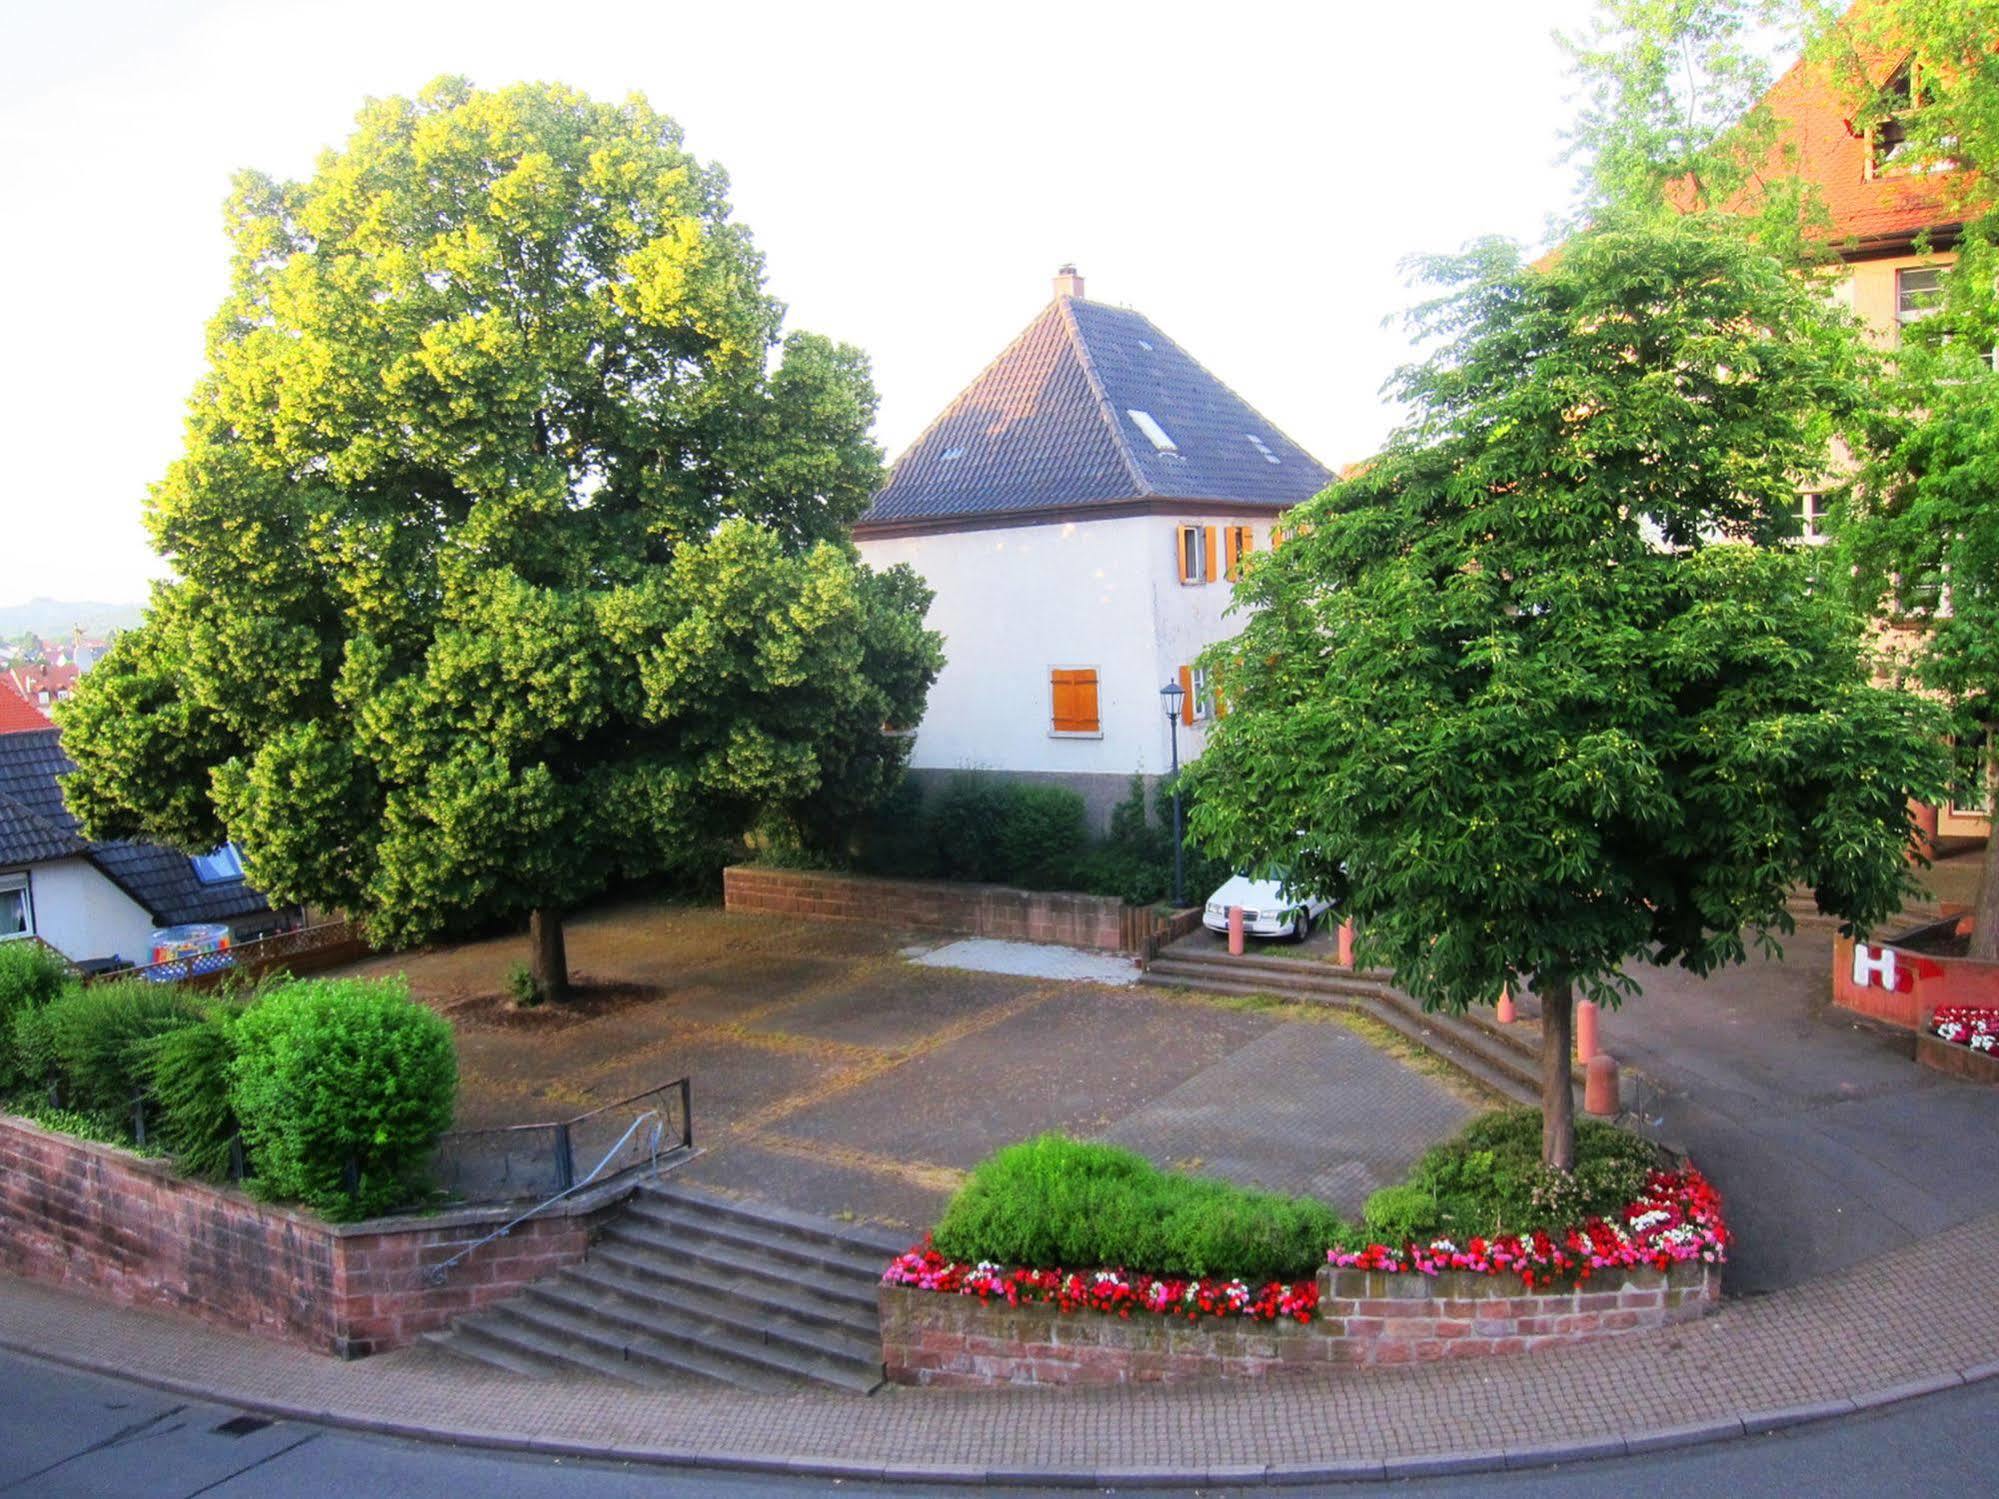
point(1247, 174)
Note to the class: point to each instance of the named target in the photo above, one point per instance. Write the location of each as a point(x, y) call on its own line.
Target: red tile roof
point(1831, 150)
point(17, 714)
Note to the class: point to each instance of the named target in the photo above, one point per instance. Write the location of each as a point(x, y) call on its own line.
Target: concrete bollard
point(1586, 1038)
point(1235, 931)
point(1346, 944)
point(1600, 1088)
point(1507, 1014)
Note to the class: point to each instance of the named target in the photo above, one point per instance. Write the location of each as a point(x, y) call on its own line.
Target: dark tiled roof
point(1049, 426)
point(36, 826)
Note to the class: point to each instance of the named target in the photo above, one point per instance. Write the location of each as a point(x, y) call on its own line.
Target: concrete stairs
point(1503, 1059)
point(686, 1287)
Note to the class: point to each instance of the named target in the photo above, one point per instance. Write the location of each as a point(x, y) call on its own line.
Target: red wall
point(1931, 983)
point(103, 1219)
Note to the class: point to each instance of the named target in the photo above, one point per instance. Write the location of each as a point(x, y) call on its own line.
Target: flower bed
point(1113, 1292)
point(1967, 1025)
point(1675, 1221)
point(948, 1323)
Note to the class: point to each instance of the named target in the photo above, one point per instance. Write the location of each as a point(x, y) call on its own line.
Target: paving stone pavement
point(1277, 1111)
point(1906, 1323)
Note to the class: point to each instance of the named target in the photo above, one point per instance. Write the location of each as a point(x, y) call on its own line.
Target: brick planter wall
point(101, 1218)
point(1958, 1061)
point(950, 1341)
point(1925, 982)
point(1095, 921)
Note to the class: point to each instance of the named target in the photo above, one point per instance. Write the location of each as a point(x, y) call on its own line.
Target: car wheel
point(1301, 925)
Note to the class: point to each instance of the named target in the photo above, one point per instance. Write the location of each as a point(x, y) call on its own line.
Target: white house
point(1080, 511)
point(95, 902)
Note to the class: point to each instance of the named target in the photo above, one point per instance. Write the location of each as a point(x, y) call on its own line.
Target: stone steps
point(692, 1288)
point(1503, 1059)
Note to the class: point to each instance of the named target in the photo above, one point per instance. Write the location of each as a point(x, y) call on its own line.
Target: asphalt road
point(65, 1435)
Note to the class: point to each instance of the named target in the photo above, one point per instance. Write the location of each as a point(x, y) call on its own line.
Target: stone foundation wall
point(950, 1341)
point(102, 1219)
point(1094, 921)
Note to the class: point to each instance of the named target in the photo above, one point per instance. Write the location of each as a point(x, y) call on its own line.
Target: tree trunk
point(550, 961)
point(1986, 908)
point(1558, 1098)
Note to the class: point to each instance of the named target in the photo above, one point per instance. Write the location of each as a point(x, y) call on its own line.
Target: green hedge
point(1489, 1180)
point(338, 1088)
point(30, 976)
point(1057, 1201)
point(342, 1087)
point(87, 1043)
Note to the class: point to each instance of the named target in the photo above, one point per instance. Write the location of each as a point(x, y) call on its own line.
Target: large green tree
point(1529, 696)
point(510, 541)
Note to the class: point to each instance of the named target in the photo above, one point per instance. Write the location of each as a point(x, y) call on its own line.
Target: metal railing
point(639, 1147)
point(515, 1161)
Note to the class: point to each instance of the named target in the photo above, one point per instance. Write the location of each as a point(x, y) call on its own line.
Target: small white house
point(96, 902)
point(1081, 511)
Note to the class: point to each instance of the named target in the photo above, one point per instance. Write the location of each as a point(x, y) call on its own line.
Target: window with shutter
point(1187, 553)
point(1073, 696)
point(1237, 543)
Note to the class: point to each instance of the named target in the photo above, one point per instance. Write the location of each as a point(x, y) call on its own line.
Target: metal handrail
point(435, 1274)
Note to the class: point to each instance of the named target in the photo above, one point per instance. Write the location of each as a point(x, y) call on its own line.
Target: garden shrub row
point(1488, 1180)
point(1058, 1201)
point(995, 830)
point(336, 1089)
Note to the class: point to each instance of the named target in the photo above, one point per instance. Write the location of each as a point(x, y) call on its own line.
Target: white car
point(1268, 908)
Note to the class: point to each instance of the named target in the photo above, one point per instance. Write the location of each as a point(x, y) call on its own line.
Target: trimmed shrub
point(88, 1042)
point(1041, 836)
point(185, 1073)
point(342, 1087)
point(30, 976)
point(1489, 1180)
point(965, 822)
point(1054, 1201)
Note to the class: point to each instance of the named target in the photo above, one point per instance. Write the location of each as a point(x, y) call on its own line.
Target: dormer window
point(220, 867)
point(1890, 152)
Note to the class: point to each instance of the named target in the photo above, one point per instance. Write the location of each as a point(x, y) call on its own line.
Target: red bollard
point(1235, 931)
point(1507, 1014)
point(1346, 944)
point(1586, 1046)
point(1600, 1087)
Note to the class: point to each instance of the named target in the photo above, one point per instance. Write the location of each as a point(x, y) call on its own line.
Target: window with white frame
point(1918, 293)
point(220, 867)
point(1203, 694)
point(17, 915)
point(1811, 518)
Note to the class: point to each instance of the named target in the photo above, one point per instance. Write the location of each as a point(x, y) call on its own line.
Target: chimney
point(1068, 283)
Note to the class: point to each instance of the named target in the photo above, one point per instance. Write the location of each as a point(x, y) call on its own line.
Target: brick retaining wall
point(1958, 1061)
point(951, 1341)
point(101, 1218)
point(1094, 921)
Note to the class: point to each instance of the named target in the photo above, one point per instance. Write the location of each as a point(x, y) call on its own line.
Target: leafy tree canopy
point(1525, 695)
point(510, 540)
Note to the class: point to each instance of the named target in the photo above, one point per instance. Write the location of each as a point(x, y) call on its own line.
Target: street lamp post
point(1171, 694)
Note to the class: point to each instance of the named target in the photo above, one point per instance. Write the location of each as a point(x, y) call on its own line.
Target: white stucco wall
point(1015, 602)
point(83, 915)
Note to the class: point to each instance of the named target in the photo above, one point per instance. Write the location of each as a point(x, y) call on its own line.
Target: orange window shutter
point(1180, 550)
point(1086, 703)
point(1248, 540)
point(1075, 701)
point(1187, 696)
point(1276, 537)
point(1207, 554)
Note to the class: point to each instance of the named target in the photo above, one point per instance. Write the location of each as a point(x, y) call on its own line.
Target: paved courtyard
point(833, 1074)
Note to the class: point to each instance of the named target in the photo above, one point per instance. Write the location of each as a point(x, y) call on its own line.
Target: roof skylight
point(1153, 431)
point(1262, 447)
point(951, 455)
